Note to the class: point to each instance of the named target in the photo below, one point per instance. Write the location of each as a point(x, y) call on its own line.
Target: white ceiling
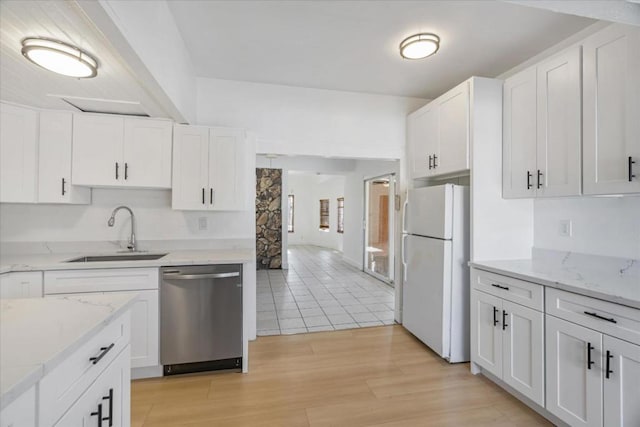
point(353, 45)
point(25, 83)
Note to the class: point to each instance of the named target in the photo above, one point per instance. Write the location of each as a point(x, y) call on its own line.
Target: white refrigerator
point(435, 253)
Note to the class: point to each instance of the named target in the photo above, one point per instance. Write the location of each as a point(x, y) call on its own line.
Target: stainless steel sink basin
point(123, 257)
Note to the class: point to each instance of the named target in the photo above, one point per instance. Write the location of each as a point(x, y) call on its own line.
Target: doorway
point(378, 227)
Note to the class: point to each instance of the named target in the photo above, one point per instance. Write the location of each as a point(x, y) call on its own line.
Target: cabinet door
point(144, 330)
point(523, 350)
point(18, 154)
point(519, 135)
point(227, 169)
point(21, 285)
point(97, 150)
point(574, 388)
point(109, 395)
point(190, 168)
point(453, 128)
point(559, 126)
point(54, 172)
point(622, 384)
point(21, 412)
point(486, 332)
point(611, 108)
point(147, 153)
point(423, 140)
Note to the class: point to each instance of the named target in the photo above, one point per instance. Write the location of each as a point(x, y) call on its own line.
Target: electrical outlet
point(565, 228)
point(202, 223)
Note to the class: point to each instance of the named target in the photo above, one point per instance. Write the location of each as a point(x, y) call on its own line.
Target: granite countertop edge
point(554, 282)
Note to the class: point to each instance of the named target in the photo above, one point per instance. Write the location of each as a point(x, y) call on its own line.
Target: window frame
point(291, 212)
point(325, 216)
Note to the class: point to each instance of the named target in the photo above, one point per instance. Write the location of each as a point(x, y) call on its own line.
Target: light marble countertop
point(37, 334)
point(607, 278)
point(56, 261)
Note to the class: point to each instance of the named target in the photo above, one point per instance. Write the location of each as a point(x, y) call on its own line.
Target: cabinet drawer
point(108, 396)
point(100, 280)
point(69, 380)
point(514, 290)
point(603, 316)
point(21, 285)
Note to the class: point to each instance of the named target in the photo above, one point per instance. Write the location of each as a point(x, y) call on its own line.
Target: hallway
point(320, 292)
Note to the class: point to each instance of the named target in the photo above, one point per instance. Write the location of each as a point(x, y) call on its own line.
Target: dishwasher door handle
point(201, 276)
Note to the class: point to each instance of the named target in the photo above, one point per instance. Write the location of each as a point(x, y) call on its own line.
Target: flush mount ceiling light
point(419, 46)
point(59, 57)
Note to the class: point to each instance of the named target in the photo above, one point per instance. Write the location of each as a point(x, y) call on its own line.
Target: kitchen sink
point(122, 257)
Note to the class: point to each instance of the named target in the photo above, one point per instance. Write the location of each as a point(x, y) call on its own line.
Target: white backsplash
point(607, 226)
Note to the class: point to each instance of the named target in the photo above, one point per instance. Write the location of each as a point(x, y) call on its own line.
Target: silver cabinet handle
point(201, 276)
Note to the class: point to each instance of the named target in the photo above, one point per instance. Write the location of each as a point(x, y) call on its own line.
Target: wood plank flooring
point(378, 376)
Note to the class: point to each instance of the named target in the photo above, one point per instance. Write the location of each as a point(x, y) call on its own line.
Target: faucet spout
point(132, 244)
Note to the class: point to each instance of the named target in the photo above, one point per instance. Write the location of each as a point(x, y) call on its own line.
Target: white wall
point(155, 220)
point(303, 121)
point(607, 226)
point(308, 190)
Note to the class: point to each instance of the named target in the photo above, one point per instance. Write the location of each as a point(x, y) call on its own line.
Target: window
point(340, 228)
point(291, 213)
point(324, 214)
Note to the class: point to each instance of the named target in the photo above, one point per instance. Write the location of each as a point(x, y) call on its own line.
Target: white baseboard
point(146, 372)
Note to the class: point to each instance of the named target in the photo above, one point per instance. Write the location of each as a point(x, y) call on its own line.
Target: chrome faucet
point(132, 245)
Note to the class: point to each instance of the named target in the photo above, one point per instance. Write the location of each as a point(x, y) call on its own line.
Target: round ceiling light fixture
point(59, 57)
point(419, 46)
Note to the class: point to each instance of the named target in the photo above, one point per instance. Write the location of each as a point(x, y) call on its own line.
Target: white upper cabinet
point(611, 112)
point(190, 167)
point(147, 153)
point(210, 169)
point(422, 130)
point(541, 129)
point(116, 151)
point(519, 135)
point(438, 135)
point(453, 131)
point(18, 154)
point(558, 135)
point(228, 171)
point(54, 171)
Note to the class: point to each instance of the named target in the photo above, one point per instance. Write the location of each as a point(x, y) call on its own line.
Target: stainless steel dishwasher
point(201, 318)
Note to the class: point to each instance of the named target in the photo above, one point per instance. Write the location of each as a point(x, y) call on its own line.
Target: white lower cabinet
point(21, 412)
point(145, 320)
point(593, 379)
point(508, 341)
point(621, 383)
point(574, 373)
point(107, 401)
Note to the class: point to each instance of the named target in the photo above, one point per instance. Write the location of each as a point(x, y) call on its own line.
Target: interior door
point(611, 107)
point(147, 153)
point(379, 228)
point(97, 150)
point(574, 387)
point(523, 350)
point(559, 125)
point(190, 168)
point(486, 339)
point(519, 133)
point(622, 383)
point(426, 292)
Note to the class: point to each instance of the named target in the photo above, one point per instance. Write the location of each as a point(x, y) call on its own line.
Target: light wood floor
point(377, 376)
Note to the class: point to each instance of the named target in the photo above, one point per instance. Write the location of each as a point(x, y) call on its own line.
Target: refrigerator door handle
point(402, 256)
point(404, 215)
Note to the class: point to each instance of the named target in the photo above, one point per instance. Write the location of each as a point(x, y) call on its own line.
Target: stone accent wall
point(269, 218)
